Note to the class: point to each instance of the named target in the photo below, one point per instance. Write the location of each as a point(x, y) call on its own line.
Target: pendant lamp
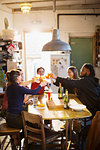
point(56, 44)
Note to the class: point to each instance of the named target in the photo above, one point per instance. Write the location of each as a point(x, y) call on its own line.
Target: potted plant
point(2, 80)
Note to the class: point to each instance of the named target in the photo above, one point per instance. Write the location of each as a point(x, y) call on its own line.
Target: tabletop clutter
point(56, 100)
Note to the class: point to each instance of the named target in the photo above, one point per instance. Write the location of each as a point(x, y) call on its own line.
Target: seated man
point(88, 86)
point(40, 72)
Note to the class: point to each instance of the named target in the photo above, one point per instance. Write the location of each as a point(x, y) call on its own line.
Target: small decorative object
point(20, 45)
point(2, 79)
point(11, 48)
point(7, 34)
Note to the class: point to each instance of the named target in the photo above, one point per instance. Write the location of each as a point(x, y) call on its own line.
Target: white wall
point(46, 21)
point(42, 21)
point(78, 25)
point(68, 25)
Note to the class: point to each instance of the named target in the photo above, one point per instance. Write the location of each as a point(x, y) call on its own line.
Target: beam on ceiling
point(64, 7)
point(38, 1)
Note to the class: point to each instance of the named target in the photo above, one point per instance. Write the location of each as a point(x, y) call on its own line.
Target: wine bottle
point(60, 91)
point(66, 100)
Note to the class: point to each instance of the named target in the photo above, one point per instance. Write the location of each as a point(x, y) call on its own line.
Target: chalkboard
point(82, 51)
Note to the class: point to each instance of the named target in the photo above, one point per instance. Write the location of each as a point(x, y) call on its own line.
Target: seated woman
point(72, 74)
point(40, 72)
point(22, 83)
point(15, 96)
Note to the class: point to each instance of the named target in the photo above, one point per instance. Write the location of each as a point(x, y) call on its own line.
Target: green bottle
point(60, 91)
point(66, 100)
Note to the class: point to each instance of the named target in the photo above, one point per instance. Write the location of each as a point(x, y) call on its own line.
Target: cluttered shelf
point(97, 48)
point(10, 54)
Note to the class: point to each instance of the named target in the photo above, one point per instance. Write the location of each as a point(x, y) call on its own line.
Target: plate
point(40, 107)
point(78, 107)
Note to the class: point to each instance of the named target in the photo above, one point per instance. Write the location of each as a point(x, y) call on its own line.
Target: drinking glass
point(35, 100)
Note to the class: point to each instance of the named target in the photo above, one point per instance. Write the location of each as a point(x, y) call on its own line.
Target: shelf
point(19, 50)
point(11, 59)
point(97, 49)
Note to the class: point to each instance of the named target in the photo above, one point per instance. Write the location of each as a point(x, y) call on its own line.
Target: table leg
point(68, 143)
point(66, 134)
point(71, 128)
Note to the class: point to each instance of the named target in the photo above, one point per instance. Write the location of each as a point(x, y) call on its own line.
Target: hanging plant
point(2, 78)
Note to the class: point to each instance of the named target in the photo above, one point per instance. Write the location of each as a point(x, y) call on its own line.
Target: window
point(34, 55)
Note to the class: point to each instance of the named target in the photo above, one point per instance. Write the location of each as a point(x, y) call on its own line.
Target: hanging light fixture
point(25, 7)
point(56, 44)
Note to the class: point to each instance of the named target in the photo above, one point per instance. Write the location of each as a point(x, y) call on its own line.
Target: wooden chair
point(93, 137)
point(35, 131)
point(7, 131)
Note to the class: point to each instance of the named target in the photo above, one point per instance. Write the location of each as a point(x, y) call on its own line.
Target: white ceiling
point(14, 5)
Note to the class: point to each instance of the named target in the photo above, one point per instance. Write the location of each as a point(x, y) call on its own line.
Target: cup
point(35, 100)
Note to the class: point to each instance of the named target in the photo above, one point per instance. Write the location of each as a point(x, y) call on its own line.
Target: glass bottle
point(66, 100)
point(60, 91)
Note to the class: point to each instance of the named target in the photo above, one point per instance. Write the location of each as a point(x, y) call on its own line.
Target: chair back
point(33, 127)
point(93, 138)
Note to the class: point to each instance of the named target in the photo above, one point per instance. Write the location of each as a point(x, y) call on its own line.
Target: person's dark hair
point(13, 75)
point(75, 72)
point(40, 68)
point(19, 69)
point(8, 76)
point(91, 69)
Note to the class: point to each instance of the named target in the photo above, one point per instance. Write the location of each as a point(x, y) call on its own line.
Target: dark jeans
point(14, 120)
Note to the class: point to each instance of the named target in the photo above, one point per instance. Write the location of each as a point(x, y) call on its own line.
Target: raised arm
point(27, 82)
